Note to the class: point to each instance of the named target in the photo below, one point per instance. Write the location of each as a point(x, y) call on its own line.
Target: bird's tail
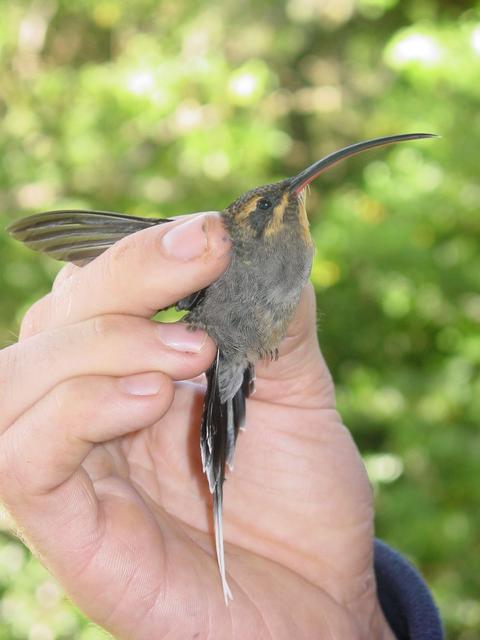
point(221, 422)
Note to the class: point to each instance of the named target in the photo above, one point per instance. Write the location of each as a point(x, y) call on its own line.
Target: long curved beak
point(299, 182)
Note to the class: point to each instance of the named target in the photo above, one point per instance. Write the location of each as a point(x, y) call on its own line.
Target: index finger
point(146, 271)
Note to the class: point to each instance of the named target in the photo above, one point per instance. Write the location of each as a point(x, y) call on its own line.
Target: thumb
point(300, 375)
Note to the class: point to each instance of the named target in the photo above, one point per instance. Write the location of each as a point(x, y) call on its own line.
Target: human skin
point(100, 464)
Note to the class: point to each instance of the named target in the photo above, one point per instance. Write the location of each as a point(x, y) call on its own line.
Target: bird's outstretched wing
point(79, 236)
point(75, 235)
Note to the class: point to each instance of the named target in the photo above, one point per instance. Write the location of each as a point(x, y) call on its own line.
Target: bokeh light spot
point(216, 165)
point(383, 467)
point(141, 82)
point(247, 83)
point(476, 40)
point(40, 631)
point(417, 47)
point(397, 297)
point(106, 14)
point(325, 273)
point(243, 85)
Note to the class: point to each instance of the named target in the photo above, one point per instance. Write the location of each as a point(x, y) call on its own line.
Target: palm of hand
point(298, 518)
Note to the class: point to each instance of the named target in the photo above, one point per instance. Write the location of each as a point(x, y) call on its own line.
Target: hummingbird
point(246, 311)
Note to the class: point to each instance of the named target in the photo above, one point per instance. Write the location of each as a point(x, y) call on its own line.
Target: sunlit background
point(164, 107)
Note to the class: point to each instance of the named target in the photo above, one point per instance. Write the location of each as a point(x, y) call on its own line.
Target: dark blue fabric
point(404, 597)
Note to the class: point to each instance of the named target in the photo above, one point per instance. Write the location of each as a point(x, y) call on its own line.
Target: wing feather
point(76, 235)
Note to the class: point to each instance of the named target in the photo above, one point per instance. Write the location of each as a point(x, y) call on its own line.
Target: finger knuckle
point(103, 326)
point(73, 405)
point(11, 470)
point(134, 264)
point(5, 465)
point(9, 373)
point(64, 276)
point(109, 325)
point(61, 397)
point(125, 251)
point(33, 319)
point(72, 402)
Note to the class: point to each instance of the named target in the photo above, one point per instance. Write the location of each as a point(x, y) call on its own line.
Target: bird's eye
point(264, 204)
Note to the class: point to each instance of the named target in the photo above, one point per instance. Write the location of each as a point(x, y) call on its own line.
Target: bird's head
point(269, 210)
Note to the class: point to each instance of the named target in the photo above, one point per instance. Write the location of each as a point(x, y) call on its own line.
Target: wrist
point(373, 625)
point(380, 628)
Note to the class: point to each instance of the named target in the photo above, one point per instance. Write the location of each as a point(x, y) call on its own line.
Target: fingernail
point(177, 336)
point(141, 384)
point(188, 240)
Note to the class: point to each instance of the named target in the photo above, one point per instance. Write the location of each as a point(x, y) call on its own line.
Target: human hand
point(100, 463)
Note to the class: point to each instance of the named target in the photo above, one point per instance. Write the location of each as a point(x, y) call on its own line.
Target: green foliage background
point(166, 107)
